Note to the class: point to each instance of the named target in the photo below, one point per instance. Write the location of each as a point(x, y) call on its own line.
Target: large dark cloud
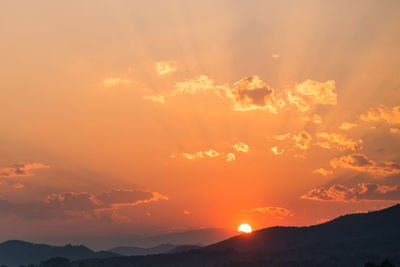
point(80, 204)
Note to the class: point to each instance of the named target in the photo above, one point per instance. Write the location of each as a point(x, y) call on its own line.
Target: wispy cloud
point(155, 98)
point(322, 171)
point(361, 163)
point(165, 67)
point(383, 113)
point(363, 191)
point(114, 81)
point(82, 205)
point(340, 141)
point(201, 154)
point(309, 92)
point(276, 212)
point(21, 169)
point(347, 126)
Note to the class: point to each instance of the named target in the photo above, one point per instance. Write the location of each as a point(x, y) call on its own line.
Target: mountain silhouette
point(15, 253)
point(350, 240)
point(365, 239)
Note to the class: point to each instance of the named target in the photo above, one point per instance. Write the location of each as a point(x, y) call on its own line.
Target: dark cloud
point(252, 93)
point(81, 204)
point(21, 169)
point(362, 163)
point(363, 191)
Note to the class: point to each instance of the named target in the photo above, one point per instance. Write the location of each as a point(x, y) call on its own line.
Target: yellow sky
point(159, 116)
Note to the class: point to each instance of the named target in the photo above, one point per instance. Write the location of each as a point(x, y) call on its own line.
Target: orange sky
point(161, 116)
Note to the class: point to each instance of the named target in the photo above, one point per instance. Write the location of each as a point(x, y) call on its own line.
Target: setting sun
point(245, 228)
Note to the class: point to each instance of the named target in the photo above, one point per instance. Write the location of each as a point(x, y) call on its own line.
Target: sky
point(154, 117)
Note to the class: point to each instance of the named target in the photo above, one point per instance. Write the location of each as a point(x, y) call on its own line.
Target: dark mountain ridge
point(350, 240)
point(15, 252)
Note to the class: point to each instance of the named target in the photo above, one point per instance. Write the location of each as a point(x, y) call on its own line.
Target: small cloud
point(325, 145)
point(230, 157)
point(361, 163)
point(212, 153)
point(252, 93)
point(186, 212)
point(394, 130)
point(383, 113)
point(148, 214)
point(164, 67)
point(363, 191)
point(241, 147)
point(281, 137)
point(274, 55)
point(155, 98)
point(302, 140)
point(276, 212)
point(21, 169)
point(277, 151)
point(315, 119)
point(200, 84)
point(347, 126)
point(340, 141)
point(113, 81)
point(322, 171)
point(201, 154)
point(312, 92)
point(18, 185)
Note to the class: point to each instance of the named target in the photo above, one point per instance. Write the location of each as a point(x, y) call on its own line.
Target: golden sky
point(161, 116)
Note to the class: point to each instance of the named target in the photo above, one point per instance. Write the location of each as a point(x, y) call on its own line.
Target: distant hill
point(161, 249)
point(15, 253)
point(137, 251)
point(347, 241)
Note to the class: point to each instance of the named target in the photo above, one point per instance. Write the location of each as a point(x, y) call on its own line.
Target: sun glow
point(245, 228)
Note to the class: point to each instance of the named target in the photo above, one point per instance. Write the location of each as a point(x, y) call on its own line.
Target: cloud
point(230, 157)
point(277, 151)
point(113, 81)
point(302, 140)
point(315, 119)
point(241, 147)
point(312, 92)
point(252, 93)
point(18, 185)
point(276, 212)
point(363, 191)
point(347, 126)
point(340, 141)
point(394, 130)
point(164, 67)
point(322, 171)
point(201, 154)
point(383, 113)
point(274, 55)
point(21, 169)
point(361, 163)
point(155, 98)
point(82, 205)
point(281, 137)
point(200, 84)
point(186, 212)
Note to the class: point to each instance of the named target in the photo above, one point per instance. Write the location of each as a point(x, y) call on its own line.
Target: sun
point(245, 228)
